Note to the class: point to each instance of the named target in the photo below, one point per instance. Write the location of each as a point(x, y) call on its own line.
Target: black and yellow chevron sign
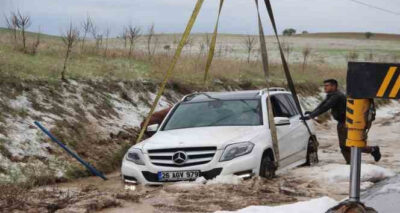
point(373, 80)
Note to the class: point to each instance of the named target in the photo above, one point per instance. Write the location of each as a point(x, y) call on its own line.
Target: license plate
point(178, 175)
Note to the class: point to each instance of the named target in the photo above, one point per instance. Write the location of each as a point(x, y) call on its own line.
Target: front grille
point(195, 156)
point(153, 177)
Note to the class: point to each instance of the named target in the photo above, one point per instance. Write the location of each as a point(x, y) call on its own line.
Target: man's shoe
point(376, 153)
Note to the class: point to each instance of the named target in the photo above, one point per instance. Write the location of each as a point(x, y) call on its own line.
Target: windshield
point(216, 113)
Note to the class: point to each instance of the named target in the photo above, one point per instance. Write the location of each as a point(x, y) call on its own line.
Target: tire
point(312, 152)
point(268, 168)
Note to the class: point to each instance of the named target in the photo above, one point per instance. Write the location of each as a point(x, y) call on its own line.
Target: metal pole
point(69, 151)
point(355, 174)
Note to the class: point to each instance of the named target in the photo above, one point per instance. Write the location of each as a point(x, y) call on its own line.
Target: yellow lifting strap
point(264, 56)
point(285, 65)
point(172, 66)
point(213, 42)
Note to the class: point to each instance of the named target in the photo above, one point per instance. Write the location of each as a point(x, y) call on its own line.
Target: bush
point(167, 47)
point(289, 32)
point(368, 35)
point(352, 56)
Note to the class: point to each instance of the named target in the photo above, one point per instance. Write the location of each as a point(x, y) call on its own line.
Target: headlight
point(136, 156)
point(235, 150)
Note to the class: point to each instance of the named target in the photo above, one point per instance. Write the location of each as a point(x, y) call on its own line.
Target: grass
point(48, 66)
point(226, 72)
point(90, 64)
point(3, 150)
point(76, 171)
point(106, 164)
point(38, 177)
point(113, 161)
point(3, 170)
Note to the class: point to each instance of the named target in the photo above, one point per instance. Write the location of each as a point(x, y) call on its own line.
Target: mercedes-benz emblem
point(179, 157)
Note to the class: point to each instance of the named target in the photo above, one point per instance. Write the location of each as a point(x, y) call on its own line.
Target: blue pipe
point(87, 165)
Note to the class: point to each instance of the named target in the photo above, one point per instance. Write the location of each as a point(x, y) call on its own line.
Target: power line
point(376, 7)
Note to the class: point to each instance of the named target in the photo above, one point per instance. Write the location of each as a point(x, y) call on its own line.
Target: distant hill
point(352, 35)
point(342, 35)
point(29, 33)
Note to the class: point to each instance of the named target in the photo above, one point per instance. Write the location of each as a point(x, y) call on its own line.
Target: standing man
point(336, 102)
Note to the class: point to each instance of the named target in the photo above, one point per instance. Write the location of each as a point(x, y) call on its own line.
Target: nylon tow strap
point(211, 51)
point(264, 56)
point(172, 66)
point(285, 65)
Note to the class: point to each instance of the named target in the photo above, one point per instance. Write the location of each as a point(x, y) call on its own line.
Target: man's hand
point(305, 118)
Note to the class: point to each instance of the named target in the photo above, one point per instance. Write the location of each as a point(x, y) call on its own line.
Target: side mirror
point(152, 128)
point(281, 121)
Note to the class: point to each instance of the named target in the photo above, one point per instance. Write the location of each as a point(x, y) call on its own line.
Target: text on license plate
point(178, 175)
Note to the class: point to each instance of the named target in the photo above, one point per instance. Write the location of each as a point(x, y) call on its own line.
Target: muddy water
point(114, 185)
point(130, 207)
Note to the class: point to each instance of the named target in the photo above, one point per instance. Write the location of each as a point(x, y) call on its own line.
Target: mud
point(85, 195)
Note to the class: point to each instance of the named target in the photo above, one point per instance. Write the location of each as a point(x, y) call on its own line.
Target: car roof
point(231, 95)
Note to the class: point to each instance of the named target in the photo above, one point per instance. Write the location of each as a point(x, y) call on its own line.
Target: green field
point(328, 59)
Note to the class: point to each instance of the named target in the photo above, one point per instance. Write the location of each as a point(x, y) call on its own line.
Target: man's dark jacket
point(336, 101)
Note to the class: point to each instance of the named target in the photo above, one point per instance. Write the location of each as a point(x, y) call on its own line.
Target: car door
point(298, 130)
point(283, 131)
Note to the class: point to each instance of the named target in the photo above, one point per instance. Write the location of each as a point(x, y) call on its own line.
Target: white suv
point(221, 133)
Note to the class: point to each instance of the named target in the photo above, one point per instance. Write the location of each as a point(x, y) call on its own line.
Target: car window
point(215, 113)
point(292, 103)
point(287, 105)
point(281, 106)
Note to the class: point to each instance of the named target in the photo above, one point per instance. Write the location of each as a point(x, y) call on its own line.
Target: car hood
point(201, 136)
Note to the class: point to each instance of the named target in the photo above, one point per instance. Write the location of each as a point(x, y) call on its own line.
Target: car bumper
point(244, 166)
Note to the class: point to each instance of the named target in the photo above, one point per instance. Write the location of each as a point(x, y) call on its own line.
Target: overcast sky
point(238, 16)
